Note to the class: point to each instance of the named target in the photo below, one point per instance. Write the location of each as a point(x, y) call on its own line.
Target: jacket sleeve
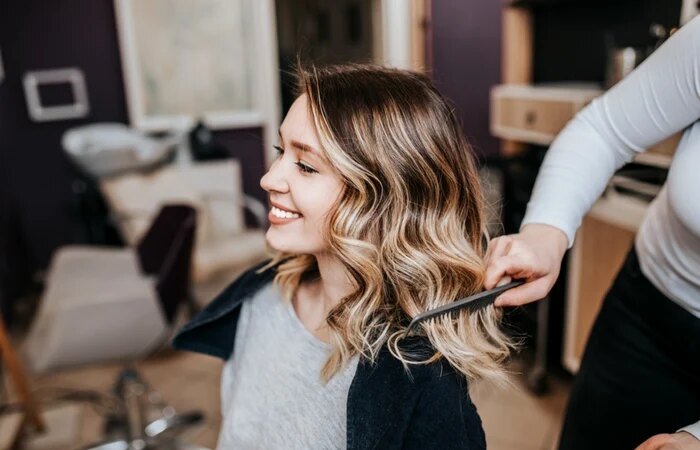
point(445, 417)
point(213, 330)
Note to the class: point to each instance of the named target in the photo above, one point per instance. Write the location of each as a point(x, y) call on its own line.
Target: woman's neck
point(316, 298)
point(334, 280)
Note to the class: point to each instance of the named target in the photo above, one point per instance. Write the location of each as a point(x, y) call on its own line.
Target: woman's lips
point(275, 219)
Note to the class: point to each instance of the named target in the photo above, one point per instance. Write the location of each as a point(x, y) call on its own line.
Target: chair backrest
point(165, 251)
point(214, 188)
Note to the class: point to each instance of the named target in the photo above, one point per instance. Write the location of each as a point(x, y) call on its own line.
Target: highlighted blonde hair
point(409, 225)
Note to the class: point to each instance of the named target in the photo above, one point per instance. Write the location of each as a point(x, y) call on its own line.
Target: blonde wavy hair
point(409, 225)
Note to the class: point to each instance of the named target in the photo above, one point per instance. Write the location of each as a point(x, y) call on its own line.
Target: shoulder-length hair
point(409, 225)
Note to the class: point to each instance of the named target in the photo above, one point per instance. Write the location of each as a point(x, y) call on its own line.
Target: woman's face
point(301, 184)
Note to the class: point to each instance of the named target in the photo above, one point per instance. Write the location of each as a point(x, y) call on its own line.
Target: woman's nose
point(274, 179)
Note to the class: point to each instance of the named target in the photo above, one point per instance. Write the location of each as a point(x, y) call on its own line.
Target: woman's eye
point(304, 168)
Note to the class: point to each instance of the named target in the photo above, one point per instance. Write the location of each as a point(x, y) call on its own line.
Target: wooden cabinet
point(602, 242)
point(536, 114)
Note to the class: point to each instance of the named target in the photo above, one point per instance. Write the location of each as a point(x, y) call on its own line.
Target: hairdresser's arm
point(655, 101)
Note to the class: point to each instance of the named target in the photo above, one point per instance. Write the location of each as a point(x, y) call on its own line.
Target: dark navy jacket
point(387, 408)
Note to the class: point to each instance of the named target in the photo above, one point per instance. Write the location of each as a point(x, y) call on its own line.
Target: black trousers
point(640, 373)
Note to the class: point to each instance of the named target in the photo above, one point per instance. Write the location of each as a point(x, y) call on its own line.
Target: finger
point(645, 445)
point(494, 273)
point(654, 442)
point(527, 293)
point(518, 266)
point(505, 280)
point(498, 247)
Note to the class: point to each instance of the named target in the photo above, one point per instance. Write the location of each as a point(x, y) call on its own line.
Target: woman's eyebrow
point(301, 146)
point(305, 148)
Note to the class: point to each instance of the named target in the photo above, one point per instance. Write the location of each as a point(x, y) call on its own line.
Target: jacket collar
point(213, 330)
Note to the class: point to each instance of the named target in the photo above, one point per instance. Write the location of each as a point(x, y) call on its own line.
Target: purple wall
point(37, 206)
point(466, 62)
point(36, 35)
point(247, 146)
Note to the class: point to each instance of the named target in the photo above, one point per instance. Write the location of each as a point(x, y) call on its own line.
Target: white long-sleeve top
point(658, 99)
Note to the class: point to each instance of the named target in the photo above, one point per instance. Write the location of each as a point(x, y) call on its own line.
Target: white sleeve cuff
point(693, 429)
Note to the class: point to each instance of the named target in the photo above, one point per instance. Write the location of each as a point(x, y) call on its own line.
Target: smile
point(282, 214)
point(279, 216)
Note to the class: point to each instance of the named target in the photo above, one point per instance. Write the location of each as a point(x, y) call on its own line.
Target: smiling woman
point(397, 202)
point(376, 216)
point(301, 184)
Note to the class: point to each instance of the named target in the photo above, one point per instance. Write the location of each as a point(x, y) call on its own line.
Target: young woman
point(376, 215)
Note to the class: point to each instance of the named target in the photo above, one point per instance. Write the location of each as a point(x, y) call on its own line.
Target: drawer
point(535, 114)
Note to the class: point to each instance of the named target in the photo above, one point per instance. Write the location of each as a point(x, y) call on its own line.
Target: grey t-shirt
point(272, 394)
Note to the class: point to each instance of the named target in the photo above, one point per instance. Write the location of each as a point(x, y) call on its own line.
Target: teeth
point(283, 214)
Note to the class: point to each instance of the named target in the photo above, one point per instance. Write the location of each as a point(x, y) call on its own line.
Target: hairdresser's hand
point(534, 255)
point(676, 441)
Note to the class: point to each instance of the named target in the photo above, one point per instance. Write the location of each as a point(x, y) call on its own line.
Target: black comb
point(473, 303)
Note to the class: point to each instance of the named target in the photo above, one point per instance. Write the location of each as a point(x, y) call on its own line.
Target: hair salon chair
point(224, 245)
point(105, 303)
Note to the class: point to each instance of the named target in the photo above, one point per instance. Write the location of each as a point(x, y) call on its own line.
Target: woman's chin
point(279, 244)
point(286, 244)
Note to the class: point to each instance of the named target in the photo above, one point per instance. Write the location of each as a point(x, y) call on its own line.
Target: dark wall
point(247, 146)
point(38, 209)
point(466, 62)
point(36, 35)
point(572, 38)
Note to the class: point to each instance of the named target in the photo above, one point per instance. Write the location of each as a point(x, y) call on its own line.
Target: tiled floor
point(515, 419)
point(187, 381)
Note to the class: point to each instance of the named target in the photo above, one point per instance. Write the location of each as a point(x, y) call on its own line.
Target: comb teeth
point(473, 303)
